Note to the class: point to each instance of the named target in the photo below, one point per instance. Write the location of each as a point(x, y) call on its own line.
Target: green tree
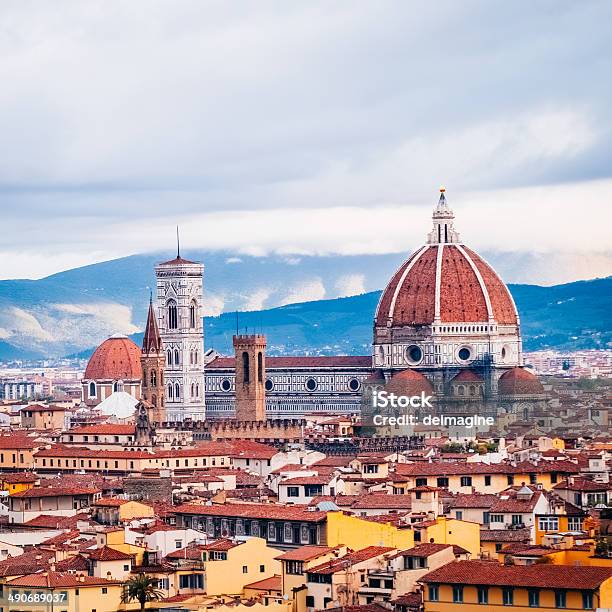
point(141, 588)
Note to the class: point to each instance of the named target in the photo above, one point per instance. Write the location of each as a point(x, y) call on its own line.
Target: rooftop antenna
point(237, 323)
point(178, 243)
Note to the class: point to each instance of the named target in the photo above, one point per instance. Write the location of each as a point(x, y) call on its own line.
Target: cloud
point(19, 322)
point(116, 318)
point(328, 132)
point(305, 292)
point(213, 305)
point(350, 284)
point(257, 299)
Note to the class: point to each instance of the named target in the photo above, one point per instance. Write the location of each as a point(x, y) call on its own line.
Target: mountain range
point(316, 304)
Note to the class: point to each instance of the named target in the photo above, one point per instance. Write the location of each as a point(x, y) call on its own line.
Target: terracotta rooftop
point(474, 500)
point(423, 550)
point(116, 429)
point(110, 502)
point(106, 553)
point(334, 461)
point(462, 468)
point(381, 500)
point(516, 505)
point(47, 521)
point(18, 478)
point(26, 563)
point(43, 408)
point(582, 484)
point(505, 535)
point(18, 441)
point(58, 491)
point(51, 579)
point(535, 576)
point(306, 480)
point(254, 511)
point(306, 553)
point(273, 583)
point(340, 564)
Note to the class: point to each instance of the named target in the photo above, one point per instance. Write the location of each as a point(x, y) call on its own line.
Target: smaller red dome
point(409, 382)
point(467, 376)
point(117, 358)
point(519, 381)
point(376, 377)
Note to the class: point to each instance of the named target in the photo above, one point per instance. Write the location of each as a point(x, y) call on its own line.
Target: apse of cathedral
point(446, 327)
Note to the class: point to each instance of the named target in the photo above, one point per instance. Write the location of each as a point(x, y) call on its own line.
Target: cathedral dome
point(409, 382)
point(448, 283)
point(445, 282)
point(117, 358)
point(519, 381)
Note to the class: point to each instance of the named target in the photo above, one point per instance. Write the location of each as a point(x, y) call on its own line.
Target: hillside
point(298, 301)
point(571, 316)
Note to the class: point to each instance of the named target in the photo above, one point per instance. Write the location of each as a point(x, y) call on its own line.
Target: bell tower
point(250, 354)
point(179, 301)
point(153, 361)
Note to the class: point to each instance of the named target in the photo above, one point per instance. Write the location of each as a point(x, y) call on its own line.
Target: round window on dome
point(414, 354)
point(464, 353)
point(226, 385)
point(311, 384)
point(269, 384)
point(353, 384)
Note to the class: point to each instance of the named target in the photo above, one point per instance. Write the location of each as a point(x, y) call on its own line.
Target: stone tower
point(250, 354)
point(153, 362)
point(179, 299)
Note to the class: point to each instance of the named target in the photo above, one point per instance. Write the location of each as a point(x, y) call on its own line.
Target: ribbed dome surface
point(117, 358)
point(468, 290)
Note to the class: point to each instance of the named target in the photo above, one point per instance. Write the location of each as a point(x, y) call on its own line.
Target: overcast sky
point(302, 127)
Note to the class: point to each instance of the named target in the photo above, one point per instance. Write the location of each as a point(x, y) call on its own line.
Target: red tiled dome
point(117, 358)
point(468, 290)
point(409, 382)
point(519, 381)
point(467, 376)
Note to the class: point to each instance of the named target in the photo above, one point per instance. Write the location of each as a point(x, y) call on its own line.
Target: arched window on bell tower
point(259, 367)
point(153, 378)
point(193, 311)
point(169, 357)
point(172, 314)
point(246, 378)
